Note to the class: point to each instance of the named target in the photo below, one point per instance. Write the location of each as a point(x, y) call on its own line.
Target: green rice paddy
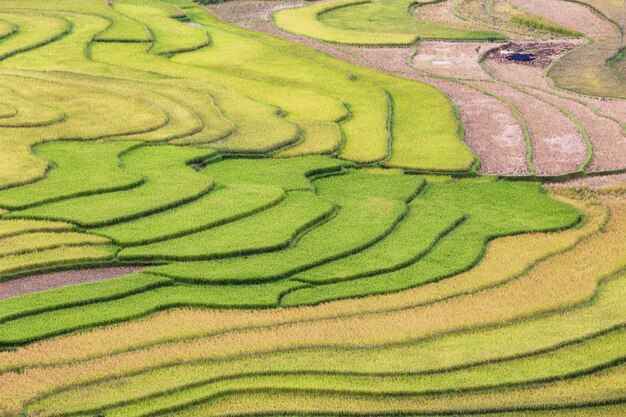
point(313, 236)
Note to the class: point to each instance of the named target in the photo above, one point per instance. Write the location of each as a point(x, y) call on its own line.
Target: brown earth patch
point(557, 146)
point(453, 59)
point(51, 280)
point(605, 135)
point(540, 54)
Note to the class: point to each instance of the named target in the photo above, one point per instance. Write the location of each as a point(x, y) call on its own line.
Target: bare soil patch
point(557, 146)
point(253, 10)
point(605, 135)
point(440, 13)
point(454, 59)
point(536, 54)
point(48, 281)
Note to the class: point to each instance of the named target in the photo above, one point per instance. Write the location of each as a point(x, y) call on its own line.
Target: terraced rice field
point(274, 208)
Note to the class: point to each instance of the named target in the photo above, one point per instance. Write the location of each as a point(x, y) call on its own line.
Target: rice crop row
point(10, 228)
point(580, 319)
point(69, 176)
point(33, 31)
point(255, 174)
point(170, 36)
point(370, 210)
point(62, 256)
point(178, 112)
point(299, 372)
point(33, 242)
point(496, 268)
point(298, 212)
point(599, 389)
point(165, 174)
point(222, 206)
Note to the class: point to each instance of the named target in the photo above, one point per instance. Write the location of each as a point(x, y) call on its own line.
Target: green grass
point(128, 306)
point(369, 208)
point(34, 242)
point(295, 214)
point(168, 182)
point(76, 295)
point(357, 225)
point(170, 35)
point(364, 239)
point(275, 402)
point(82, 119)
point(72, 165)
point(61, 257)
point(7, 29)
point(10, 228)
point(548, 348)
point(247, 172)
point(324, 138)
point(289, 174)
point(414, 236)
point(315, 104)
point(523, 209)
point(33, 31)
point(433, 144)
point(362, 22)
point(292, 372)
point(28, 112)
point(222, 206)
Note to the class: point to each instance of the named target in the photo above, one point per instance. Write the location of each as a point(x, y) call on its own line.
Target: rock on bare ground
point(48, 281)
point(543, 53)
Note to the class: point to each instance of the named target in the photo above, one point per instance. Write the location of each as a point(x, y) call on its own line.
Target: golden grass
point(33, 30)
point(30, 242)
point(604, 386)
point(305, 21)
point(561, 280)
point(319, 138)
point(18, 226)
point(434, 354)
point(29, 112)
point(388, 369)
point(50, 258)
point(125, 115)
